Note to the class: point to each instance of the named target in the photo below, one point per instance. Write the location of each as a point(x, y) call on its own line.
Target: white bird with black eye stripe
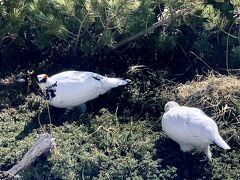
point(74, 88)
point(191, 128)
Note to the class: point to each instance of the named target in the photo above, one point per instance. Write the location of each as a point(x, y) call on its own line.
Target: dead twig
point(78, 34)
point(198, 58)
point(44, 144)
point(227, 46)
point(151, 28)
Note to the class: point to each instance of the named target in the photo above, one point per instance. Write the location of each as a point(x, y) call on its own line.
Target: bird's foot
point(67, 111)
point(205, 159)
point(82, 108)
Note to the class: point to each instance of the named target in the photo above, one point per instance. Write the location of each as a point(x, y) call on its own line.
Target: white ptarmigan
point(191, 128)
point(74, 88)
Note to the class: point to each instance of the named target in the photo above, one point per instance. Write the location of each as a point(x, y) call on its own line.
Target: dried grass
point(219, 97)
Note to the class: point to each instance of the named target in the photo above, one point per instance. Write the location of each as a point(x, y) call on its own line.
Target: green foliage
point(120, 142)
point(79, 22)
point(166, 41)
point(214, 18)
point(41, 29)
point(120, 137)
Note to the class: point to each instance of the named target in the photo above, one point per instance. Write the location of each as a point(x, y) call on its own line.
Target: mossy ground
point(120, 136)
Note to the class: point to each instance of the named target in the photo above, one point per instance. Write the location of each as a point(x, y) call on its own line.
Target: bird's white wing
point(73, 76)
point(72, 88)
point(189, 125)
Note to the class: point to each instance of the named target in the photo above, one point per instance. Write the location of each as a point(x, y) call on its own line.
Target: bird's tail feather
point(123, 82)
point(221, 143)
point(115, 82)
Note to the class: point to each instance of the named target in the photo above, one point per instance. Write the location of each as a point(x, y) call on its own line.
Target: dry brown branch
point(227, 46)
point(230, 35)
point(78, 34)
point(44, 143)
point(151, 28)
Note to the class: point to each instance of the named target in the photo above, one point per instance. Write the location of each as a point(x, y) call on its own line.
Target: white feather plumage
point(73, 88)
point(191, 128)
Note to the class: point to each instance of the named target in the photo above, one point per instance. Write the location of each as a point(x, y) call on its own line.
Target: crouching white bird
point(74, 88)
point(191, 128)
